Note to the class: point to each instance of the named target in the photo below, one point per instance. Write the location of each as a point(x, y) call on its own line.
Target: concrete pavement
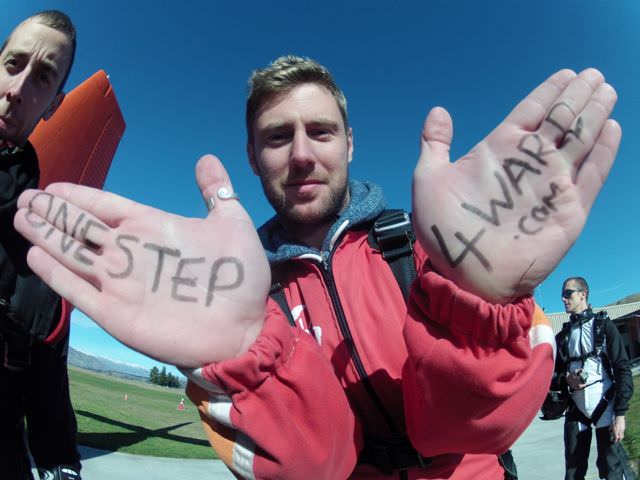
point(101, 465)
point(538, 453)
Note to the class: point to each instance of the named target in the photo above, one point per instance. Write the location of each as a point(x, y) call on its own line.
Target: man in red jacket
point(439, 384)
point(35, 63)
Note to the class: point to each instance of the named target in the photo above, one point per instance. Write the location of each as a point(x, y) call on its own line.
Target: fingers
point(566, 111)
point(531, 111)
point(44, 211)
point(215, 186)
point(562, 108)
point(81, 293)
point(585, 129)
point(593, 171)
point(437, 134)
point(72, 236)
point(571, 113)
point(108, 207)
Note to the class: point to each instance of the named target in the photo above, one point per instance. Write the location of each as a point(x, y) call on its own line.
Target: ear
point(350, 144)
point(252, 158)
point(53, 106)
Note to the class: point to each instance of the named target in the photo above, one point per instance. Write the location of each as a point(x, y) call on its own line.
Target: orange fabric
point(77, 145)
point(79, 142)
point(539, 318)
point(221, 438)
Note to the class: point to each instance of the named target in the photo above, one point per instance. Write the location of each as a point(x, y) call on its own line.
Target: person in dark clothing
point(35, 62)
point(593, 363)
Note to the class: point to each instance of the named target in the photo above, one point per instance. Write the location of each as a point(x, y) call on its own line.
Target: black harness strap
point(577, 414)
point(392, 455)
point(277, 293)
point(599, 322)
point(392, 234)
point(602, 405)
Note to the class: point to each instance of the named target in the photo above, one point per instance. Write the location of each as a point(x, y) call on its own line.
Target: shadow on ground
point(135, 434)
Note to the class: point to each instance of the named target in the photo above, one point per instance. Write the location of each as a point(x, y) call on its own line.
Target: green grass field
point(147, 423)
point(632, 433)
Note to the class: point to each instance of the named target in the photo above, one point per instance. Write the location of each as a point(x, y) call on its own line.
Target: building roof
point(614, 311)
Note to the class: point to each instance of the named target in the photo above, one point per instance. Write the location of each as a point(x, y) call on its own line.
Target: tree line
point(162, 378)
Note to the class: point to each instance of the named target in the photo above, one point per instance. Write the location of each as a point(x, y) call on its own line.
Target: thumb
point(215, 186)
point(435, 142)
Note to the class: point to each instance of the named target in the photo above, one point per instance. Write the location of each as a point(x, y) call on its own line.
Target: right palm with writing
point(499, 219)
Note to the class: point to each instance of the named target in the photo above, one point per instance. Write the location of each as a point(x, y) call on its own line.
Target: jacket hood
point(367, 202)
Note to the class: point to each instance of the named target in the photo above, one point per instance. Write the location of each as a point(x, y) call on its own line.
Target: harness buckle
point(394, 234)
point(392, 455)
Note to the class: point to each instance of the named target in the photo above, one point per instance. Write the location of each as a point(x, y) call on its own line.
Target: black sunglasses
point(567, 292)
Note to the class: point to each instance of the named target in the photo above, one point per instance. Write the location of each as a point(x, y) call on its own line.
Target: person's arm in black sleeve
point(559, 378)
point(621, 369)
point(18, 172)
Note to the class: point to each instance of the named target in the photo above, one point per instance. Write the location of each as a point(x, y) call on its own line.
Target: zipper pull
point(325, 261)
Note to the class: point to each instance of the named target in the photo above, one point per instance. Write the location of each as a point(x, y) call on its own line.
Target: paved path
point(538, 453)
point(101, 465)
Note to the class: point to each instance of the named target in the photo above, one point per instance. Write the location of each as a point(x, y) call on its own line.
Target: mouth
point(301, 182)
point(304, 186)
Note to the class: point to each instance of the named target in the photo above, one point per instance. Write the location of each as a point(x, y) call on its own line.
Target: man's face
point(301, 152)
point(33, 64)
point(574, 298)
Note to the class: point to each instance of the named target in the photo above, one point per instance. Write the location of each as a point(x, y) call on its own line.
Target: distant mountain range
point(104, 365)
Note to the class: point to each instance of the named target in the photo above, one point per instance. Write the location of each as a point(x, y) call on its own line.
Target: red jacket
point(461, 377)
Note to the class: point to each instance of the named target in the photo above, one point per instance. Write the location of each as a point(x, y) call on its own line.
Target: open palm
point(187, 291)
point(498, 220)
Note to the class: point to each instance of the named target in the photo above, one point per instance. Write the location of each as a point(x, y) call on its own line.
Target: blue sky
point(179, 70)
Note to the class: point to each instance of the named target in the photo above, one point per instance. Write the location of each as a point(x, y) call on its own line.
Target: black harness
point(597, 351)
point(29, 309)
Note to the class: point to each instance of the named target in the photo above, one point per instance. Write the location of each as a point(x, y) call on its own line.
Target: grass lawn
point(632, 433)
point(147, 423)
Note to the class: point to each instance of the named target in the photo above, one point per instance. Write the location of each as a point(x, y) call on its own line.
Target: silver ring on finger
point(224, 194)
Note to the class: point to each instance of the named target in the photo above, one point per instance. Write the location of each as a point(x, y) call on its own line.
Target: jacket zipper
point(327, 274)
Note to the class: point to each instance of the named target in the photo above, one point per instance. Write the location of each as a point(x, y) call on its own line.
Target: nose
point(301, 149)
point(15, 92)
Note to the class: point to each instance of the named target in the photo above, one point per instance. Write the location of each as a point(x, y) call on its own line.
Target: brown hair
point(283, 74)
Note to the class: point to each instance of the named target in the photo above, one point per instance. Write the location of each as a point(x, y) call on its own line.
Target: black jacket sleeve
point(620, 368)
point(559, 378)
point(18, 172)
point(36, 308)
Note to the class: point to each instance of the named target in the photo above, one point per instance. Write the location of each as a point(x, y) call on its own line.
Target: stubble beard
point(297, 219)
